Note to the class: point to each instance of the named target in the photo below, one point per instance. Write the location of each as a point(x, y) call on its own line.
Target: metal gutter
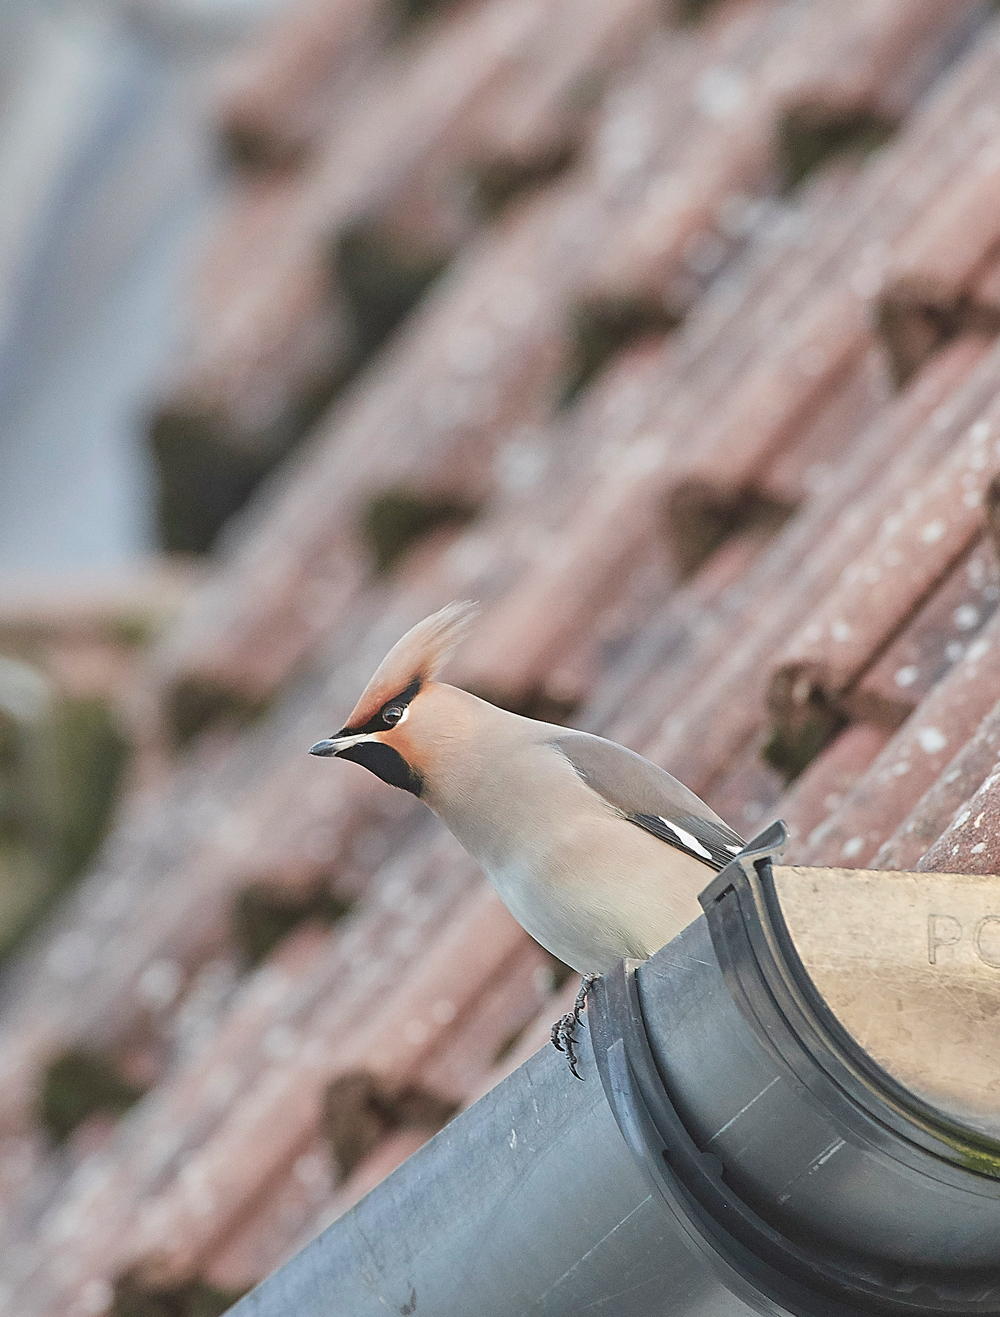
point(769, 1163)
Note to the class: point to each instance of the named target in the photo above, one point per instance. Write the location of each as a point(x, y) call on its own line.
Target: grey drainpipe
point(730, 1151)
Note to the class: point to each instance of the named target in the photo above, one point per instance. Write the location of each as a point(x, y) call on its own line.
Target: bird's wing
point(650, 798)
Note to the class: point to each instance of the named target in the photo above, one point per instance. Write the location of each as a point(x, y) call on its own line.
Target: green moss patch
point(805, 722)
point(913, 329)
point(691, 12)
point(701, 518)
point(410, 14)
point(78, 1084)
point(197, 703)
point(362, 1108)
point(25, 891)
point(201, 479)
point(192, 1299)
point(808, 137)
point(790, 750)
point(134, 631)
point(382, 281)
point(397, 519)
point(602, 328)
point(59, 777)
point(265, 914)
point(207, 468)
point(497, 184)
point(982, 1162)
point(90, 756)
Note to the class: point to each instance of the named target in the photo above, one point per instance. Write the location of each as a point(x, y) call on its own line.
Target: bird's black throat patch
point(386, 763)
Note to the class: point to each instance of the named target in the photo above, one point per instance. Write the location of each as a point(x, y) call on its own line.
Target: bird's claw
point(563, 1034)
point(563, 1039)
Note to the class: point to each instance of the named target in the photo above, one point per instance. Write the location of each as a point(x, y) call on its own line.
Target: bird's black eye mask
point(380, 722)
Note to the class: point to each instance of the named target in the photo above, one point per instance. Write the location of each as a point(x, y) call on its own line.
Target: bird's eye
point(392, 714)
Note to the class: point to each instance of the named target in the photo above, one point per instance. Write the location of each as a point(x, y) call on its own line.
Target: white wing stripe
point(687, 839)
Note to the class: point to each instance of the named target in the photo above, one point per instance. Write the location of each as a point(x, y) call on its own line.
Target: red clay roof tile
point(802, 565)
point(916, 542)
point(929, 818)
point(278, 92)
point(915, 757)
point(775, 386)
point(553, 242)
point(934, 639)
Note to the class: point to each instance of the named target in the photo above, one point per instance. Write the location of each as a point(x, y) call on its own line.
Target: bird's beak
point(336, 744)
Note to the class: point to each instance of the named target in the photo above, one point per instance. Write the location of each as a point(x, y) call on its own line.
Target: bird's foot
point(563, 1034)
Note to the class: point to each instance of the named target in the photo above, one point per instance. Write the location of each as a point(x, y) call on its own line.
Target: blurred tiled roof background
point(668, 332)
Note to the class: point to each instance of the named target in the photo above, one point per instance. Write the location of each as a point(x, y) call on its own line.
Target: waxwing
point(597, 852)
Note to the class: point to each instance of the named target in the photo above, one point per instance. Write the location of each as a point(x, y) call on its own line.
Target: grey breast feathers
point(650, 798)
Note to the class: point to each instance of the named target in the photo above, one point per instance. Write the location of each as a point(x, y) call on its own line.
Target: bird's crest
point(417, 656)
